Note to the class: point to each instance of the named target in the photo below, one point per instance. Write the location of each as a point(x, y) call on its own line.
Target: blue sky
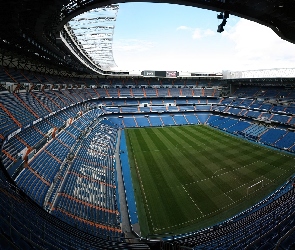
point(150, 36)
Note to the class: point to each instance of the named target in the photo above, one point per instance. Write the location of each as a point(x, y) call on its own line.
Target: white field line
point(229, 197)
point(142, 188)
point(193, 200)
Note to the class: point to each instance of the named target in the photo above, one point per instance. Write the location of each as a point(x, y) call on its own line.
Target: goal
point(253, 188)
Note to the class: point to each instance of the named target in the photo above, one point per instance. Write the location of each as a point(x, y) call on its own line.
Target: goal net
point(255, 187)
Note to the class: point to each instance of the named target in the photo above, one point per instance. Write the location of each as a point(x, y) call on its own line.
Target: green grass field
point(189, 177)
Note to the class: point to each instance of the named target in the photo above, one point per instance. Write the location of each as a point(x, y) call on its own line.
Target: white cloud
point(197, 33)
point(258, 47)
point(134, 45)
point(183, 28)
point(201, 33)
point(245, 45)
point(209, 32)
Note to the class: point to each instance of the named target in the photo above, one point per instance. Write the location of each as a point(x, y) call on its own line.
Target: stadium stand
point(60, 122)
point(287, 141)
point(180, 119)
point(203, 117)
point(155, 120)
point(272, 135)
point(142, 121)
point(192, 119)
point(238, 127)
point(64, 139)
point(89, 184)
point(167, 120)
point(254, 131)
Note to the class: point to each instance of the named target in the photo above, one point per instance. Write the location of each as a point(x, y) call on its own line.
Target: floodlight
point(220, 16)
point(220, 28)
point(226, 14)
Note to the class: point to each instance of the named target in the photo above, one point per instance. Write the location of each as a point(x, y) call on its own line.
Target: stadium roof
point(93, 32)
point(29, 34)
point(262, 73)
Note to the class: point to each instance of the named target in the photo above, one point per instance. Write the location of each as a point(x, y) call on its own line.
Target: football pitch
point(190, 177)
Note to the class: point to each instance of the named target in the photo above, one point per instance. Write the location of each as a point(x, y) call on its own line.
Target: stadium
point(94, 158)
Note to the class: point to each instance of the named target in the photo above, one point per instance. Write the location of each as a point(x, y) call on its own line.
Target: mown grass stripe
point(184, 173)
point(214, 168)
point(159, 200)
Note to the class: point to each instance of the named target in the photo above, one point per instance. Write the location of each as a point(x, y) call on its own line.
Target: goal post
point(256, 186)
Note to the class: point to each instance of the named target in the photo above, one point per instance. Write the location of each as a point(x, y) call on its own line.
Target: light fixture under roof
point(93, 32)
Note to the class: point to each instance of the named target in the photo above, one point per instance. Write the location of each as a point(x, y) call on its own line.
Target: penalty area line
point(229, 197)
point(193, 201)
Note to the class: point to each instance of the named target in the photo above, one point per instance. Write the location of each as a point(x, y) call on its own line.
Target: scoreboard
point(148, 73)
point(151, 73)
point(171, 73)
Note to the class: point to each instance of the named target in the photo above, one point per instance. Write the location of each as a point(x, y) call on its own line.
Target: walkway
point(125, 223)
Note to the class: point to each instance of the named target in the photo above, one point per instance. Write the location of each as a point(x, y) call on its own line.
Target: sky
point(153, 36)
